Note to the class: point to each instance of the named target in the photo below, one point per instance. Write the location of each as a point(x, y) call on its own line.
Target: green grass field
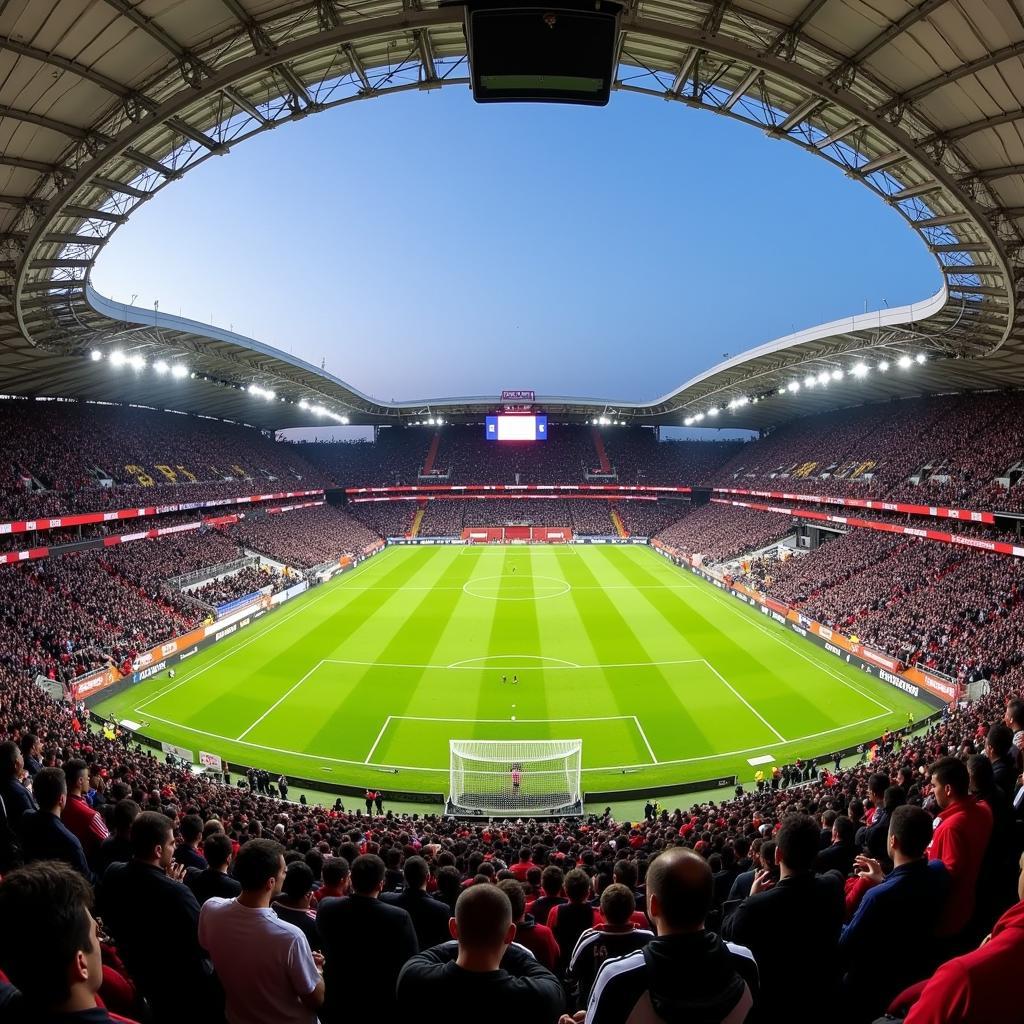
point(663, 677)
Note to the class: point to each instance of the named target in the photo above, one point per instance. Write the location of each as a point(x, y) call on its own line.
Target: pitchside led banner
point(516, 428)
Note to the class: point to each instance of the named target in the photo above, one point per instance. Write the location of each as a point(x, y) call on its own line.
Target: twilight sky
point(427, 246)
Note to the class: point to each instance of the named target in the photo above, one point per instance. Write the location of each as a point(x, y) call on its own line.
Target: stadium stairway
point(414, 530)
point(428, 462)
point(602, 454)
point(620, 526)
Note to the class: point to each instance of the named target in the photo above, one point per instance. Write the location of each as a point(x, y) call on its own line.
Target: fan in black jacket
point(481, 973)
point(686, 973)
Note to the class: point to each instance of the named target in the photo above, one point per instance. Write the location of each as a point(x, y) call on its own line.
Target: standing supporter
point(480, 974)
point(802, 911)
point(522, 867)
point(266, 966)
point(537, 938)
point(80, 818)
point(686, 973)
point(999, 750)
point(43, 834)
point(981, 987)
point(365, 944)
point(838, 856)
point(568, 921)
point(118, 847)
point(15, 799)
point(214, 879)
point(335, 875)
point(429, 916)
point(551, 881)
point(154, 919)
point(292, 903)
point(187, 851)
point(961, 836)
point(49, 946)
point(874, 946)
point(618, 936)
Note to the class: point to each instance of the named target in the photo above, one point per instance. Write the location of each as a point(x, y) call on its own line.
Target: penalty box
point(608, 741)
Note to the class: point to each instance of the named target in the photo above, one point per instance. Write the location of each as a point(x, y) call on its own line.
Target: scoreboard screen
point(516, 428)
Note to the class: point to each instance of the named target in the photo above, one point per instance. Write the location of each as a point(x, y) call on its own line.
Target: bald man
point(480, 972)
point(686, 973)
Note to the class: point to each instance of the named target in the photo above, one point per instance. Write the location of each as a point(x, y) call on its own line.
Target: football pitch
point(364, 680)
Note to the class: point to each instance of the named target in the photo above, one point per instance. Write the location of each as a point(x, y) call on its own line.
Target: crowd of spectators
point(386, 518)
point(639, 457)
point(647, 518)
point(722, 532)
point(65, 457)
point(948, 450)
point(394, 458)
point(839, 891)
point(304, 537)
point(233, 585)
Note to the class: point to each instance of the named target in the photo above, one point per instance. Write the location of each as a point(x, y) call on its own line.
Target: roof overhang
point(102, 107)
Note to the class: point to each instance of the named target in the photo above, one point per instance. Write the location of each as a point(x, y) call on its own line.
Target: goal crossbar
point(515, 777)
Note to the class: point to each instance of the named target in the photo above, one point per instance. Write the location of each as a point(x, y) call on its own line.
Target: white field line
point(279, 620)
point(616, 586)
point(444, 771)
point(280, 700)
point(780, 637)
point(535, 721)
point(740, 697)
point(380, 736)
point(458, 667)
point(643, 736)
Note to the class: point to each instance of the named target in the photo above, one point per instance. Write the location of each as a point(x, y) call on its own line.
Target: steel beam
point(897, 28)
point(84, 213)
point(117, 186)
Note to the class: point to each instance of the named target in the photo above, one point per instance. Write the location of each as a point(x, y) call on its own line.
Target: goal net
point(514, 778)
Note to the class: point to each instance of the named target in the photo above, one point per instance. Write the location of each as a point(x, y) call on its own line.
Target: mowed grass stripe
point(614, 642)
point(756, 663)
point(380, 690)
point(228, 698)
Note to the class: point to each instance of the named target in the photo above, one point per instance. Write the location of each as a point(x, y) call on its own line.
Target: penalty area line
point(643, 736)
point(380, 736)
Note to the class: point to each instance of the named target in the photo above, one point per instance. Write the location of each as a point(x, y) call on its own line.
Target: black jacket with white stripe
point(594, 947)
point(695, 978)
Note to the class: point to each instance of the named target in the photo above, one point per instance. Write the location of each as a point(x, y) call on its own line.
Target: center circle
point(524, 588)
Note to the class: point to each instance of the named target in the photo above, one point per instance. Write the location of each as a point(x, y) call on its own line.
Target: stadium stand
point(306, 537)
point(720, 532)
point(238, 584)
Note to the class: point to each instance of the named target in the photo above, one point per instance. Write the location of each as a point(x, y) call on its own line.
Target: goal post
point(515, 778)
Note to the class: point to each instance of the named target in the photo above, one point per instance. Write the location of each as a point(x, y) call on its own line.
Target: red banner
point(965, 515)
point(981, 543)
point(92, 518)
point(505, 488)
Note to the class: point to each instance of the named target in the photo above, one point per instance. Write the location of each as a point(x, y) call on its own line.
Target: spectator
point(551, 881)
point(187, 851)
point(537, 938)
point(686, 972)
point(15, 799)
point(118, 846)
point(292, 904)
point(335, 875)
point(617, 937)
point(480, 973)
point(981, 987)
point(998, 749)
point(167, 962)
point(49, 946)
point(839, 855)
point(365, 944)
point(429, 916)
point(44, 836)
point(880, 961)
point(568, 921)
point(522, 866)
point(960, 838)
point(267, 968)
point(87, 824)
point(802, 911)
point(214, 879)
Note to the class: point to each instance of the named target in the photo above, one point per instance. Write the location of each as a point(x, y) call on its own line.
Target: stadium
point(735, 723)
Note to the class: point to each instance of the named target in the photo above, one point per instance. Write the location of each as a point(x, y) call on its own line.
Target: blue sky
point(427, 246)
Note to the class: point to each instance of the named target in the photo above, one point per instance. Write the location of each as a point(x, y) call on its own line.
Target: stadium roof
point(105, 102)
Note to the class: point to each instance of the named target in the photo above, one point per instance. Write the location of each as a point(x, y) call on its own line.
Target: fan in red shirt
point(86, 824)
point(962, 833)
point(569, 921)
point(537, 938)
point(522, 868)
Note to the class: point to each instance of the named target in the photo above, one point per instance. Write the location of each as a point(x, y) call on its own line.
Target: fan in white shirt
point(265, 964)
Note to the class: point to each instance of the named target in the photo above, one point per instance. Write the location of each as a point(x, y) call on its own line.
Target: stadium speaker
point(563, 53)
